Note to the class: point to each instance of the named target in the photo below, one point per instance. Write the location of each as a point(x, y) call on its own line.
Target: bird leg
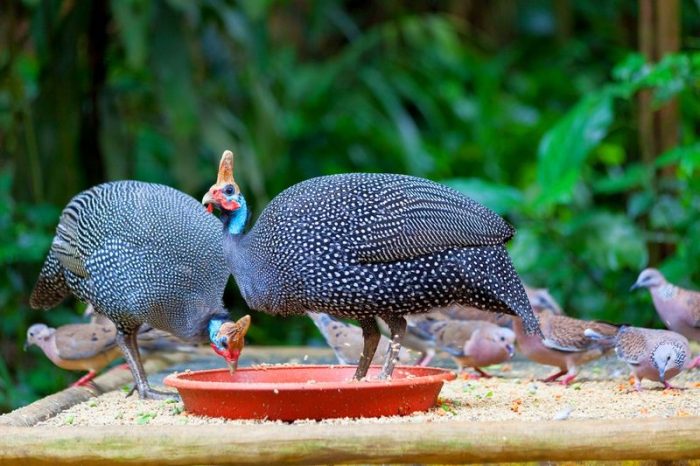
point(426, 357)
point(371, 336)
point(694, 363)
point(397, 325)
point(668, 386)
point(554, 377)
point(85, 380)
point(482, 373)
point(127, 343)
point(569, 377)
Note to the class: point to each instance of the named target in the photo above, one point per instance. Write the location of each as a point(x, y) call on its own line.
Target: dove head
point(37, 334)
point(540, 300)
point(668, 359)
point(649, 278)
point(491, 344)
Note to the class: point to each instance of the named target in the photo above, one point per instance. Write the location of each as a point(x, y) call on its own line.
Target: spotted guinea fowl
point(142, 253)
point(363, 245)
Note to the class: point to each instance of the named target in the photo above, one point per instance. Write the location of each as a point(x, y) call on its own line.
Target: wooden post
point(659, 35)
point(316, 443)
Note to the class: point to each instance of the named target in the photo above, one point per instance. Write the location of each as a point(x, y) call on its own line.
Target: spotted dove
point(657, 355)
point(346, 340)
point(470, 343)
point(564, 344)
point(678, 308)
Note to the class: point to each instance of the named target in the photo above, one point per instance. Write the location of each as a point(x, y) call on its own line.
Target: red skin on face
point(223, 202)
point(229, 355)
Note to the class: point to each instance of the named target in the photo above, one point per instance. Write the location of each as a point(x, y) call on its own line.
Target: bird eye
point(228, 190)
point(503, 338)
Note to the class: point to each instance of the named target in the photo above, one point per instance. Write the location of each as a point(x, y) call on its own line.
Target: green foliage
point(506, 103)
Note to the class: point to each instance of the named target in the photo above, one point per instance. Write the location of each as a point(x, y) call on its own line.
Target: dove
point(539, 299)
point(677, 307)
point(657, 355)
point(91, 346)
point(346, 340)
point(564, 344)
point(470, 343)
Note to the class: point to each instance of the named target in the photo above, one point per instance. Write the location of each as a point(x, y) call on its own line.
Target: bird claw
point(151, 394)
point(668, 386)
point(695, 363)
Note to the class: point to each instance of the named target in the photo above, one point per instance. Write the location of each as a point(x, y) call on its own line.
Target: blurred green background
point(576, 120)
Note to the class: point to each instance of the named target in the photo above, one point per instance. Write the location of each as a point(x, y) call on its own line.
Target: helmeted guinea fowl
point(364, 245)
point(142, 254)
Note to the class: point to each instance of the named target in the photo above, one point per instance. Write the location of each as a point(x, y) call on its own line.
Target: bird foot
point(553, 377)
point(85, 380)
point(151, 394)
point(483, 373)
point(668, 386)
point(695, 363)
point(567, 380)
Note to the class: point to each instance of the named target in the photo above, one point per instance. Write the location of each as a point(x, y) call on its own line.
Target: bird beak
point(511, 351)
point(232, 361)
point(635, 286)
point(662, 375)
point(209, 201)
point(25, 346)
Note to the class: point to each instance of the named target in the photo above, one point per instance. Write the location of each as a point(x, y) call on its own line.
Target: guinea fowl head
point(227, 339)
point(226, 196)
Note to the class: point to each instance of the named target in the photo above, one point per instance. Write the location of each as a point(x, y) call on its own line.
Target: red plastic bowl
point(288, 393)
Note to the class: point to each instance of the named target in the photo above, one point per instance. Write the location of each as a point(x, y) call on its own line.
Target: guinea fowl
point(142, 253)
point(363, 245)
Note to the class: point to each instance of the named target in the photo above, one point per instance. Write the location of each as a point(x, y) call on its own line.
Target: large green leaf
point(563, 149)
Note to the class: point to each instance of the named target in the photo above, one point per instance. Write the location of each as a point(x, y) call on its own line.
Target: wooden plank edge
point(116, 377)
point(448, 442)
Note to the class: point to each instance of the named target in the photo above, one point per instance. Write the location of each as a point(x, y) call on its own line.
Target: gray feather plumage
point(359, 245)
point(140, 253)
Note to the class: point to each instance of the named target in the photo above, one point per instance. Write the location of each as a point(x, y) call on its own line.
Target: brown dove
point(90, 347)
point(657, 355)
point(678, 308)
point(564, 344)
point(346, 340)
point(77, 347)
point(470, 343)
point(539, 299)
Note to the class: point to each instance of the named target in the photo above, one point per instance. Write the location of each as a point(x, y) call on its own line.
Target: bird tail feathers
point(51, 287)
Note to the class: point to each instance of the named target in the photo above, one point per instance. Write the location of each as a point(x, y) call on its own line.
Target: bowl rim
point(177, 381)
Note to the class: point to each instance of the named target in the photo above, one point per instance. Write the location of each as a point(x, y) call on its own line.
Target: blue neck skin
point(214, 326)
point(234, 222)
